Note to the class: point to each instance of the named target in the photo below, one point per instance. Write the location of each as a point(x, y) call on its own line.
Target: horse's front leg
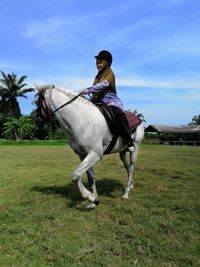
point(85, 165)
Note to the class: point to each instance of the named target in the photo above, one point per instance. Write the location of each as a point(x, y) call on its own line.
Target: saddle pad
point(109, 115)
point(133, 120)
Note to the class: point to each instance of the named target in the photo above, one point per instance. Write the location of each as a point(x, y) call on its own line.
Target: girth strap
point(111, 145)
point(112, 122)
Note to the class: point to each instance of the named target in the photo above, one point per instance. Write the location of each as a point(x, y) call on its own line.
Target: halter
point(43, 106)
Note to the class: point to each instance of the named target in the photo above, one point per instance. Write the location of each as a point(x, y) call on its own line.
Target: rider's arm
point(98, 87)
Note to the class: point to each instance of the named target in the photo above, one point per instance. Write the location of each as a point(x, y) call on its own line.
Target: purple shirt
point(109, 98)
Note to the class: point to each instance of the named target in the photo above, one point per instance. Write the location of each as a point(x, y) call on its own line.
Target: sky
point(155, 46)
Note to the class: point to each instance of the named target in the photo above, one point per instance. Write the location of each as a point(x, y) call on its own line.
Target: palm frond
point(20, 81)
point(140, 115)
point(11, 81)
point(24, 96)
point(3, 74)
point(23, 85)
point(2, 88)
point(10, 78)
point(14, 76)
point(27, 90)
point(3, 91)
point(4, 82)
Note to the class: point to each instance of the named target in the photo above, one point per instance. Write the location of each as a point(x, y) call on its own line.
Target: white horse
point(88, 135)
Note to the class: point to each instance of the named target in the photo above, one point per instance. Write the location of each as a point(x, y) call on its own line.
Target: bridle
point(43, 107)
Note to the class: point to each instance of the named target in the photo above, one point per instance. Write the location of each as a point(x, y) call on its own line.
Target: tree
point(10, 89)
point(139, 115)
point(19, 129)
point(45, 131)
point(195, 120)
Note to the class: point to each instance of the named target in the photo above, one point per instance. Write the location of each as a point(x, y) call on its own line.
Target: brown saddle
point(111, 119)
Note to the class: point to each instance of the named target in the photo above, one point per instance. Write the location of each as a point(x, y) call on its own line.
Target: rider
point(104, 90)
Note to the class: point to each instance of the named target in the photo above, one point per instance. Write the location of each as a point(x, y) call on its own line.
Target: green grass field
point(43, 222)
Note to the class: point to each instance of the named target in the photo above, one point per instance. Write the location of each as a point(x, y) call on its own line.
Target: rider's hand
point(84, 91)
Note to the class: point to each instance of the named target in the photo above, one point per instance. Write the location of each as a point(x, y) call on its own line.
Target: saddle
point(111, 119)
point(133, 121)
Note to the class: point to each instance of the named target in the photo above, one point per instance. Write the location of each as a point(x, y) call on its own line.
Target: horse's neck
point(60, 95)
point(73, 115)
point(57, 97)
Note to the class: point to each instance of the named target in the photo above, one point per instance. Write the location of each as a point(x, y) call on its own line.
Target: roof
point(173, 129)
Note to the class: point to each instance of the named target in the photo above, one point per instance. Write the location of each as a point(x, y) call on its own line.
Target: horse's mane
point(72, 94)
point(43, 88)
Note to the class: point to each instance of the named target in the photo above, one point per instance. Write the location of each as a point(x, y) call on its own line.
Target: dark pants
point(122, 121)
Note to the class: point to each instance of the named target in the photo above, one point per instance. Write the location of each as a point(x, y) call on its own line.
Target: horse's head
point(43, 111)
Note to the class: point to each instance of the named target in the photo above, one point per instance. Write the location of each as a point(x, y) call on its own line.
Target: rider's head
point(105, 55)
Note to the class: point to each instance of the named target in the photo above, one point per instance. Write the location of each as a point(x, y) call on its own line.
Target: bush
point(58, 134)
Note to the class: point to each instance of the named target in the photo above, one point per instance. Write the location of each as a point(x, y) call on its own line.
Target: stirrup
point(130, 148)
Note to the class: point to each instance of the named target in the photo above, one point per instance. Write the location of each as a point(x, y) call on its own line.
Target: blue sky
point(155, 46)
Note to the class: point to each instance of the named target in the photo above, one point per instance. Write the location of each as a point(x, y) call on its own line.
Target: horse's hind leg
point(130, 170)
point(85, 165)
point(92, 184)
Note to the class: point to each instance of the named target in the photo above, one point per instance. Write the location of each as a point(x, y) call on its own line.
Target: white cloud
point(47, 33)
point(73, 83)
point(11, 65)
point(54, 32)
point(126, 33)
point(46, 27)
point(172, 83)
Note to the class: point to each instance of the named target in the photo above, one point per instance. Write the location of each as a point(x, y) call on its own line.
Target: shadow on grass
point(105, 187)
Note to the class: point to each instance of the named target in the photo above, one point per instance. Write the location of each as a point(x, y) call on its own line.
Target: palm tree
point(10, 89)
point(195, 120)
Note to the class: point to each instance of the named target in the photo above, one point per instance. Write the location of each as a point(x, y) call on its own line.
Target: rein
point(65, 104)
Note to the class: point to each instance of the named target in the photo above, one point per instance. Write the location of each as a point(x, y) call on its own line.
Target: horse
point(88, 134)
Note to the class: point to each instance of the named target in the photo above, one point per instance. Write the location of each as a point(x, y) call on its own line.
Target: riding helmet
point(105, 55)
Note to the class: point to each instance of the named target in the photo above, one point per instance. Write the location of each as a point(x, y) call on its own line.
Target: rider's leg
point(124, 127)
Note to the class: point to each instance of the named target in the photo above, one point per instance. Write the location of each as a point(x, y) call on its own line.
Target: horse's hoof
point(90, 206)
point(125, 196)
point(96, 202)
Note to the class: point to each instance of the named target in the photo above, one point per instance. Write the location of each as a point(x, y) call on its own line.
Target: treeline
point(188, 138)
point(14, 125)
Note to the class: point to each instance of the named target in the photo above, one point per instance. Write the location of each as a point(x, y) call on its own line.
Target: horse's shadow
point(105, 187)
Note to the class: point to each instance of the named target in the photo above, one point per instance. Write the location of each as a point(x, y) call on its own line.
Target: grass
point(43, 222)
point(32, 142)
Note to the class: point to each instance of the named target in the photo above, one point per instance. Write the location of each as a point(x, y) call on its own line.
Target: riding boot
point(130, 147)
point(124, 130)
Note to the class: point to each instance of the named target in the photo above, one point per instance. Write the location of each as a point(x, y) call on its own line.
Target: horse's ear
point(40, 89)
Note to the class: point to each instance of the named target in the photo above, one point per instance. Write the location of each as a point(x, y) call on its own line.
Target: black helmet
point(105, 55)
